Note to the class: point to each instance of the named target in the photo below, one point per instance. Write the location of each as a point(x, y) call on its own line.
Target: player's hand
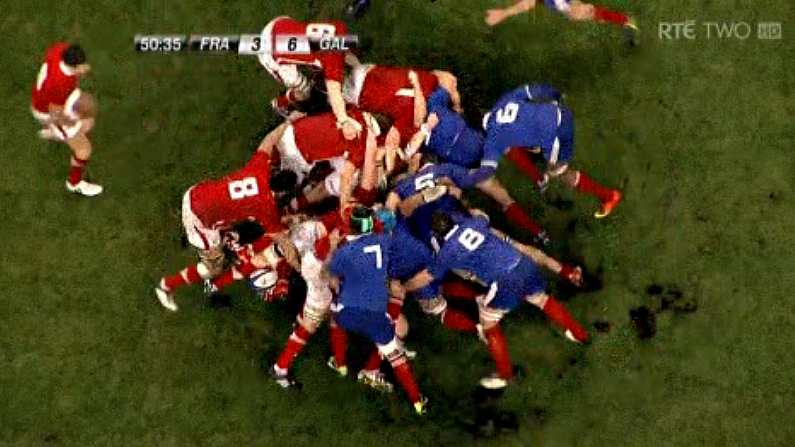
point(294, 116)
point(572, 274)
point(431, 122)
point(495, 16)
point(434, 193)
point(349, 127)
point(413, 78)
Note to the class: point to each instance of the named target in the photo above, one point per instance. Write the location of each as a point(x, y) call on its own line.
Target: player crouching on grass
point(533, 118)
point(65, 113)
point(511, 272)
point(211, 207)
point(574, 10)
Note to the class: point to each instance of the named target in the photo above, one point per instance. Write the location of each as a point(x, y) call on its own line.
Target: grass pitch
point(697, 132)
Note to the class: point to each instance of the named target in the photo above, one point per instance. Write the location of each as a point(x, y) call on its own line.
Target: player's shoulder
point(55, 50)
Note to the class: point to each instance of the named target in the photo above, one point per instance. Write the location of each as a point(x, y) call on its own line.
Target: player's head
point(247, 231)
point(361, 220)
point(441, 224)
point(428, 159)
point(75, 57)
point(283, 180)
point(86, 106)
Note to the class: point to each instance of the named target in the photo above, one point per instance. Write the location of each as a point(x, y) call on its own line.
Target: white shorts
point(290, 155)
point(354, 83)
point(61, 132)
point(318, 293)
point(486, 313)
point(198, 234)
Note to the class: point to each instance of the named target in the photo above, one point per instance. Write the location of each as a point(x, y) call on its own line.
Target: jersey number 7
point(376, 249)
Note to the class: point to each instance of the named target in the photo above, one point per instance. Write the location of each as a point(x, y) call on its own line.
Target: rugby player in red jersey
point(65, 113)
point(288, 67)
point(213, 206)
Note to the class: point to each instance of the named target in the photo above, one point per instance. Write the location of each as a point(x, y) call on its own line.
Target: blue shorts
point(410, 256)
point(521, 282)
point(560, 6)
point(376, 326)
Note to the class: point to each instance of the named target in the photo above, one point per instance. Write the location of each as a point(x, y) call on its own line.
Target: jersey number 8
point(471, 239)
point(320, 30)
point(241, 189)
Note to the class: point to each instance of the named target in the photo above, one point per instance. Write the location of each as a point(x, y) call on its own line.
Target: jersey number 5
point(507, 114)
point(240, 189)
point(471, 239)
point(379, 262)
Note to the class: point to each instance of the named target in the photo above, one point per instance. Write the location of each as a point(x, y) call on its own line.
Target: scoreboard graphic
point(242, 44)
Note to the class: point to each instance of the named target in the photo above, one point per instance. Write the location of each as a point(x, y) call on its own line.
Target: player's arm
point(392, 201)
point(497, 16)
point(420, 106)
point(337, 103)
point(426, 195)
point(418, 281)
point(346, 184)
point(268, 144)
point(569, 273)
point(288, 250)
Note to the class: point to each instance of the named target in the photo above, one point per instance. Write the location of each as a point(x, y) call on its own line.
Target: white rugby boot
point(84, 188)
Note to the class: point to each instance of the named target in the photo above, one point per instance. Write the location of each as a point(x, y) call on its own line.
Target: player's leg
point(211, 264)
point(490, 317)
point(498, 15)
point(449, 82)
point(316, 307)
point(394, 352)
point(582, 11)
point(82, 107)
point(211, 255)
point(494, 189)
point(560, 316)
point(338, 339)
point(521, 158)
point(579, 180)
point(451, 318)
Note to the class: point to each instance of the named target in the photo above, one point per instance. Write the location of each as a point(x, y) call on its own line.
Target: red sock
point(339, 343)
point(515, 214)
point(76, 167)
point(498, 348)
point(295, 344)
point(185, 277)
point(405, 378)
point(589, 186)
point(458, 321)
point(373, 362)
point(393, 308)
point(223, 280)
point(521, 158)
point(460, 289)
point(603, 14)
point(558, 314)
